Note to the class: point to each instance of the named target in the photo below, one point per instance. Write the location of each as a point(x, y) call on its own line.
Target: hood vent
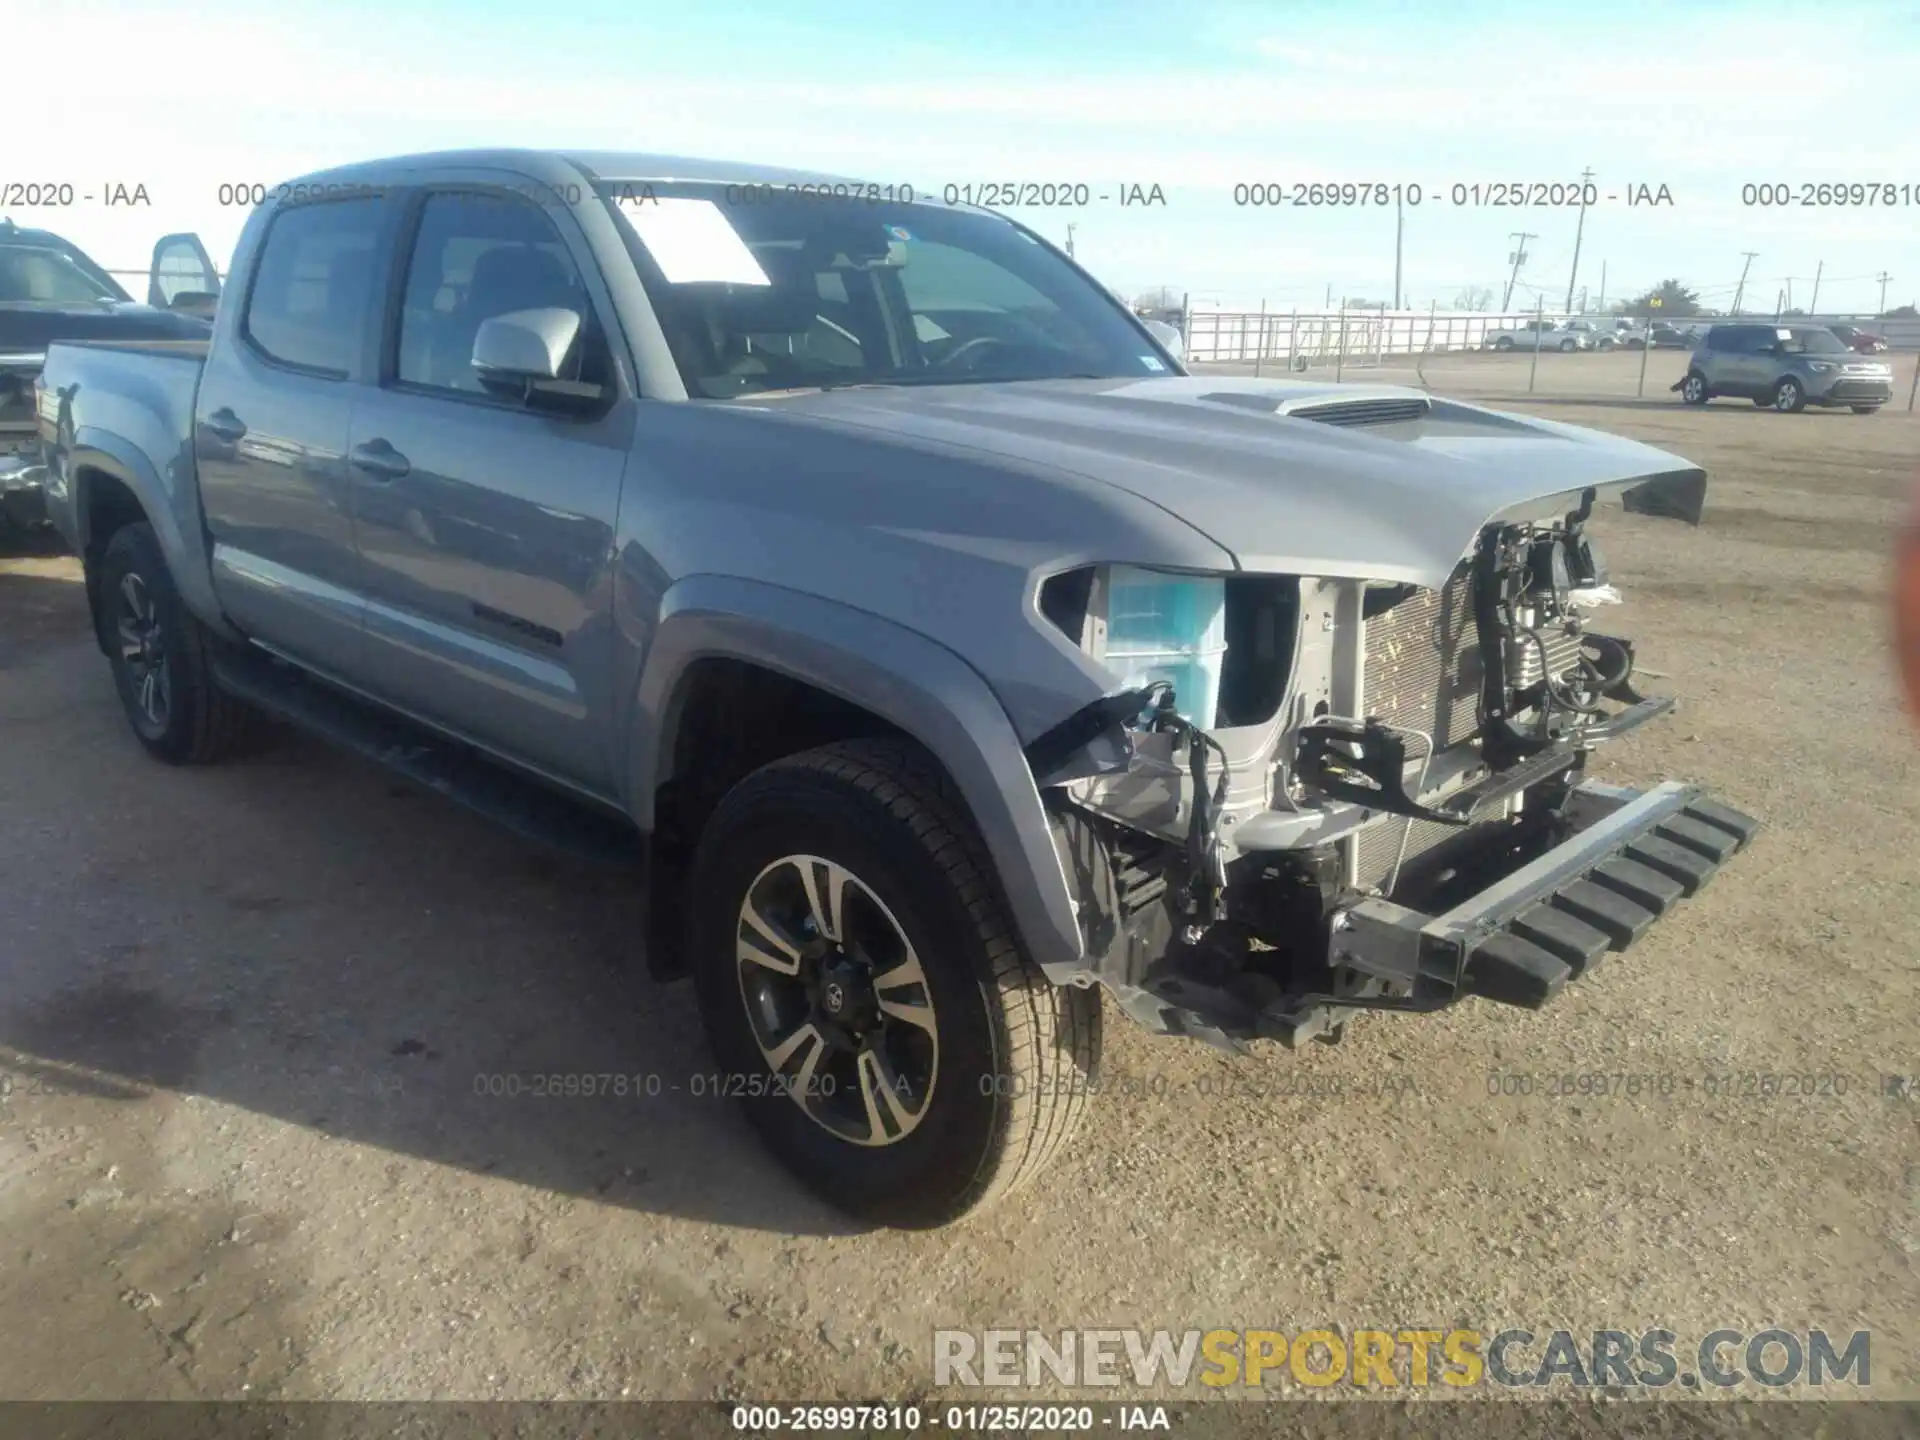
point(1379, 410)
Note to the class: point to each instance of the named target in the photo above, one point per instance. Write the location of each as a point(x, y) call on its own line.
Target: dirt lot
point(244, 1013)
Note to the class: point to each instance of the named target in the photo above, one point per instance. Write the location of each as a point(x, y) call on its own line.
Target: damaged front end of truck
point(1336, 793)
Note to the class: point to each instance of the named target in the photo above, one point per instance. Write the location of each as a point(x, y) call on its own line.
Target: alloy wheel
point(143, 650)
point(837, 1000)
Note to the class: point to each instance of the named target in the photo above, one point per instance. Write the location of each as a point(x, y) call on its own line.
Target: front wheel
point(1788, 396)
point(161, 658)
point(1505, 342)
point(1693, 389)
point(866, 997)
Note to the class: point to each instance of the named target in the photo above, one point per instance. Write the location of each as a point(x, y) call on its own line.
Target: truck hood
point(1354, 481)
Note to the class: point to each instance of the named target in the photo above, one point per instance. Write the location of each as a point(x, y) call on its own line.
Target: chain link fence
point(1489, 353)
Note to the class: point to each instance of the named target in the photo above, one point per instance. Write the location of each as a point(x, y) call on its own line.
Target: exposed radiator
point(1422, 669)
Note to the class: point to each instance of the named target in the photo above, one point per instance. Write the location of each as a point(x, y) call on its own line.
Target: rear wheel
point(1693, 389)
point(1569, 346)
point(1789, 397)
point(1865, 409)
point(160, 654)
point(865, 995)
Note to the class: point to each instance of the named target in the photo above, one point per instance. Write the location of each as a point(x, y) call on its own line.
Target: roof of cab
point(560, 166)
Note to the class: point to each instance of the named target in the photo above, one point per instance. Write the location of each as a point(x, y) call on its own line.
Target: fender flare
point(912, 682)
point(93, 451)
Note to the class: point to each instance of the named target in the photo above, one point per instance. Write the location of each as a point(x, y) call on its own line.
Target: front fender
point(913, 683)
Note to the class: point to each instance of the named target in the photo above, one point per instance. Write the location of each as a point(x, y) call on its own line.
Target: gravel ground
point(244, 1013)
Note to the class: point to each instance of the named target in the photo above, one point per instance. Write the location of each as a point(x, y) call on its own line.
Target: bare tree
point(1474, 297)
point(1161, 297)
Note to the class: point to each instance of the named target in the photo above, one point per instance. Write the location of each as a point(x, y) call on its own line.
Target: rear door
point(485, 524)
point(271, 426)
point(1748, 363)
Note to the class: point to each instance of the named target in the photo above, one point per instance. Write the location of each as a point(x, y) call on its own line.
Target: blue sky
point(1194, 97)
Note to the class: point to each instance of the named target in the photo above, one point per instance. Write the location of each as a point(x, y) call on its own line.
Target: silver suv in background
point(1784, 367)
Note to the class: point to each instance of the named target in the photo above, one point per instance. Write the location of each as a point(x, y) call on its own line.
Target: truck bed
point(140, 391)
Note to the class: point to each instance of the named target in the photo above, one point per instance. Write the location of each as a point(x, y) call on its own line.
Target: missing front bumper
point(1619, 861)
point(1631, 857)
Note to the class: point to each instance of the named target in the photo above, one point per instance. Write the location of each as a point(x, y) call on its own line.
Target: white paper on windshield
point(692, 242)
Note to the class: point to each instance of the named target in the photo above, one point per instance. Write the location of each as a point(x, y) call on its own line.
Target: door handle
point(380, 460)
point(225, 425)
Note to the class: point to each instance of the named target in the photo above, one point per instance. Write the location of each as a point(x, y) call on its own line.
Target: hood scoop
point(1374, 410)
point(1356, 410)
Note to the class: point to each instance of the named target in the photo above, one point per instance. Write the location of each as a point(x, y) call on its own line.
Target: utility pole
point(1399, 235)
point(1883, 277)
point(1813, 305)
point(1602, 305)
point(1741, 288)
point(1070, 229)
point(1579, 229)
point(1519, 258)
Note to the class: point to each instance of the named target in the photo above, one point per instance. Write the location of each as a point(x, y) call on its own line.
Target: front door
point(486, 524)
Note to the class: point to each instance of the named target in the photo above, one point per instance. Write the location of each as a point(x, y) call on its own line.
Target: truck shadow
point(298, 935)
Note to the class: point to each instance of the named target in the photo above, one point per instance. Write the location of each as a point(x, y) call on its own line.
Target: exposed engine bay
point(1381, 754)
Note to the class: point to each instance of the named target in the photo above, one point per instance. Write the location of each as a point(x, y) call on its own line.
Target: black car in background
point(51, 289)
point(1669, 337)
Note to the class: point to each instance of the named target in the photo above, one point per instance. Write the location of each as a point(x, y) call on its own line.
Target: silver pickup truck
point(941, 652)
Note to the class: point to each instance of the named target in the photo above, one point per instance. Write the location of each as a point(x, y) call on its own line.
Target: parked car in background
point(1669, 337)
point(51, 289)
point(1784, 367)
point(1861, 342)
point(1598, 336)
point(951, 666)
point(1539, 335)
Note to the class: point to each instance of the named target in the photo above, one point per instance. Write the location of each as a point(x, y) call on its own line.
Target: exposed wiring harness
point(1206, 870)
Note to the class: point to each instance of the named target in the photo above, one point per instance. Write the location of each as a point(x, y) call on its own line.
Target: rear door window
point(308, 303)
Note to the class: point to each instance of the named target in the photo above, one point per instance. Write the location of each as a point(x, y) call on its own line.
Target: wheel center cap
point(834, 998)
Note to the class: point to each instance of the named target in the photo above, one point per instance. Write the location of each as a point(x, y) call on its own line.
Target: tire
point(1567, 347)
point(1864, 409)
point(1789, 396)
point(1505, 342)
point(148, 632)
point(1001, 1067)
point(1693, 389)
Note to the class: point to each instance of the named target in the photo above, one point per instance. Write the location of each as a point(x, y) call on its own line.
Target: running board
point(527, 807)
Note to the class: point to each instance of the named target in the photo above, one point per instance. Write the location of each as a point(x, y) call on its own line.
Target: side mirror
point(181, 266)
point(201, 303)
point(524, 345)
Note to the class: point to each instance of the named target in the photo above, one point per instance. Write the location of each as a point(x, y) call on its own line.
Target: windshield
point(762, 287)
point(1812, 342)
point(30, 275)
